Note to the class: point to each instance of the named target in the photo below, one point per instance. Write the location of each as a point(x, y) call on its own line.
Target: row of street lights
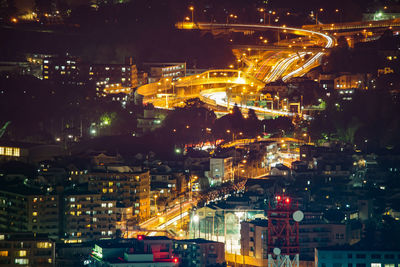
point(264, 11)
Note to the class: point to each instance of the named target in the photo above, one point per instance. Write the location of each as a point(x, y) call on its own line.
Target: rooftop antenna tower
point(283, 233)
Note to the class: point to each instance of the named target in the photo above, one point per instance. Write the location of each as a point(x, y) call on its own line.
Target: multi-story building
point(66, 69)
point(254, 242)
point(143, 251)
point(355, 256)
point(26, 249)
point(72, 70)
point(126, 186)
point(165, 70)
point(199, 252)
point(221, 170)
point(88, 216)
point(350, 81)
point(313, 233)
point(26, 209)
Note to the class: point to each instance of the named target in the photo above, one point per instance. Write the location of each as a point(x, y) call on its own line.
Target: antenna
point(298, 216)
point(277, 251)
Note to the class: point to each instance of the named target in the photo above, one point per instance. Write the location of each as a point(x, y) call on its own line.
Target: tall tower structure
point(283, 233)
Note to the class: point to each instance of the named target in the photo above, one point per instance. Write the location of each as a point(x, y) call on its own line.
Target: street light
point(155, 203)
point(263, 11)
point(309, 137)
point(316, 15)
point(191, 8)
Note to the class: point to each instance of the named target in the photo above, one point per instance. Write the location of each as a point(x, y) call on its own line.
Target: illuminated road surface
point(286, 66)
point(168, 220)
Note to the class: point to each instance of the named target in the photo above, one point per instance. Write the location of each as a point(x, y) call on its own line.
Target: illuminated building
point(9, 152)
point(26, 249)
point(66, 69)
point(165, 70)
point(199, 252)
point(88, 216)
point(72, 70)
point(349, 81)
point(143, 251)
point(121, 183)
point(23, 208)
point(314, 232)
point(221, 170)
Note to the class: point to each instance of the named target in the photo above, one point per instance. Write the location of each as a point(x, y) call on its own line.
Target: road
point(270, 67)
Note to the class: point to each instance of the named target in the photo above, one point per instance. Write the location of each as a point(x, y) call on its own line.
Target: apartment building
point(123, 184)
point(26, 249)
point(88, 216)
point(27, 209)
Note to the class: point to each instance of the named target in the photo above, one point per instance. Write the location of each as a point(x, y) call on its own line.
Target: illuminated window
point(8, 151)
point(104, 190)
point(78, 213)
point(43, 245)
point(34, 213)
point(49, 260)
point(79, 206)
point(16, 152)
point(78, 234)
point(21, 253)
point(3, 253)
point(35, 199)
point(110, 205)
point(1, 150)
point(110, 212)
point(376, 265)
point(94, 219)
point(72, 213)
point(72, 199)
point(111, 190)
point(103, 205)
point(110, 184)
point(21, 261)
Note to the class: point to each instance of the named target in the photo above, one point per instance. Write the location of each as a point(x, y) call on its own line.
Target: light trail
point(281, 67)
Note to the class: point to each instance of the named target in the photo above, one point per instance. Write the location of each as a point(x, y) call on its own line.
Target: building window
point(349, 256)
point(376, 265)
point(34, 213)
point(43, 245)
point(21, 253)
point(360, 256)
point(72, 199)
point(361, 265)
point(8, 151)
point(376, 256)
point(16, 152)
point(21, 261)
point(3, 253)
point(389, 256)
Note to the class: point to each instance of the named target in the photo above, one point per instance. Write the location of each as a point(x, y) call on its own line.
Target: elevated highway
point(350, 26)
point(224, 88)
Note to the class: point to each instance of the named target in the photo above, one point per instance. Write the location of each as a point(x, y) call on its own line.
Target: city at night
point(200, 133)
